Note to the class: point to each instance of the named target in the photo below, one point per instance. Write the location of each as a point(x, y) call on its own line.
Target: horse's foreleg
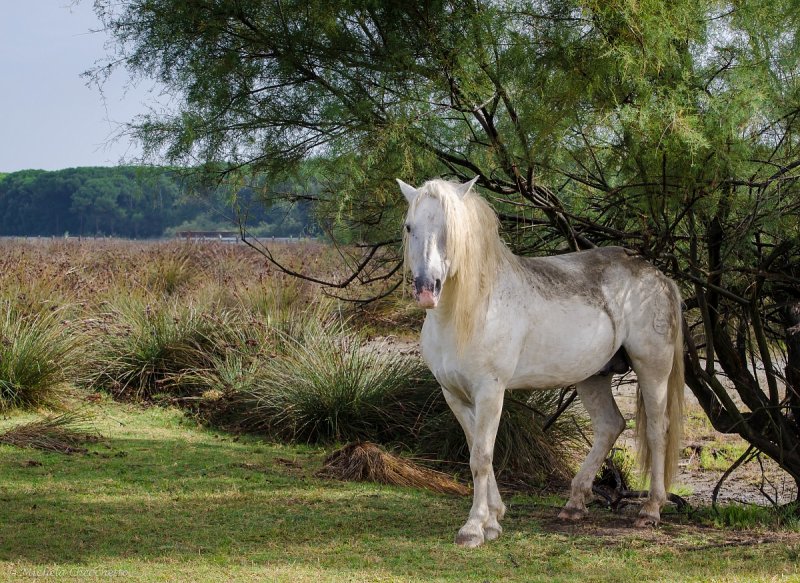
point(482, 523)
point(497, 510)
point(607, 423)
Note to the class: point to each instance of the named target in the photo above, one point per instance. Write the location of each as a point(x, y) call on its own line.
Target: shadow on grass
point(160, 498)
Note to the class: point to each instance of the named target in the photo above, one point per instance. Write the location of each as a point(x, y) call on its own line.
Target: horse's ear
point(408, 191)
point(463, 189)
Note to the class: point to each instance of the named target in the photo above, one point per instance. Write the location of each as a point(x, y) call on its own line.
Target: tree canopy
point(671, 128)
point(134, 202)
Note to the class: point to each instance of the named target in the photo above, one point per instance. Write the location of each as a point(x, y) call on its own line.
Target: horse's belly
point(550, 376)
point(537, 347)
point(563, 351)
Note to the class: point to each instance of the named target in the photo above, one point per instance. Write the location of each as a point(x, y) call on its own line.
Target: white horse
point(496, 321)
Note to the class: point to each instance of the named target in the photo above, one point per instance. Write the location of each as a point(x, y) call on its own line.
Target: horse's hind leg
point(607, 423)
point(653, 389)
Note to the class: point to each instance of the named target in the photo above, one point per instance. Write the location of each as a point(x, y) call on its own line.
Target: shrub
point(39, 356)
point(218, 387)
point(142, 347)
point(330, 387)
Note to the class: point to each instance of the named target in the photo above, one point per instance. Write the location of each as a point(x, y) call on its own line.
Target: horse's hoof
point(647, 521)
point(572, 514)
point(492, 532)
point(469, 540)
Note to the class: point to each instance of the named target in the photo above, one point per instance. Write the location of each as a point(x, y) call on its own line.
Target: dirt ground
point(675, 531)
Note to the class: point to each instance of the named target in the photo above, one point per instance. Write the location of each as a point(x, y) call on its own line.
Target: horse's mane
point(474, 249)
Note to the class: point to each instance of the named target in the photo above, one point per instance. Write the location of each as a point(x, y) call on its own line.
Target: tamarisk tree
point(670, 128)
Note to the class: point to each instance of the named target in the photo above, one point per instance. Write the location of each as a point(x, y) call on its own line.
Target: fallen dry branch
point(367, 462)
point(64, 433)
point(615, 499)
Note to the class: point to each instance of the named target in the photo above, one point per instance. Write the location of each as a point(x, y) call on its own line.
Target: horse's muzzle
point(427, 292)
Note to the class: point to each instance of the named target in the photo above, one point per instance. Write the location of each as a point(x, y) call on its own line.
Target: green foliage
point(624, 112)
point(752, 516)
point(40, 356)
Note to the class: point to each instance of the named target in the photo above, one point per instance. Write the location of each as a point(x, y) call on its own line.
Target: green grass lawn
point(160, 499)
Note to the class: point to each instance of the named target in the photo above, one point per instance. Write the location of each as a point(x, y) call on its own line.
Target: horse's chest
point(458, 372)
point(435, 351)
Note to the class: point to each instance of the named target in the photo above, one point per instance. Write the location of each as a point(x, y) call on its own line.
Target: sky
point(49, 118)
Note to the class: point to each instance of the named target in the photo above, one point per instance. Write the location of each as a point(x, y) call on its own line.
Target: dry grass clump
point(170, 273)
point(64, 433)
point(368, 462)
point(328, 386)
point(142, 346)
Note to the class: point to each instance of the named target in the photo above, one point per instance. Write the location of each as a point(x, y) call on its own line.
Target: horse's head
point(425, 238)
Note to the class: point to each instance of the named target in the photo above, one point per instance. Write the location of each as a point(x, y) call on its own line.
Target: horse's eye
point(408, 228)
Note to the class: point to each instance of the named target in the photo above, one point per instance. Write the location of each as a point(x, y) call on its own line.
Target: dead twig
point(742, 458)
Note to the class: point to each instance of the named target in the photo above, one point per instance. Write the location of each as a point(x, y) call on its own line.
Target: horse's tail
point(675, 387)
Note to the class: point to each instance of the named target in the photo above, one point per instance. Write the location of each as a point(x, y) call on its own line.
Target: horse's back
point(642, 303)
point(580, 272)
point(585, 306)
point(614, 279)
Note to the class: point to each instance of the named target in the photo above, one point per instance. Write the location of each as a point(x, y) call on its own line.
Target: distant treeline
point(134, 202)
